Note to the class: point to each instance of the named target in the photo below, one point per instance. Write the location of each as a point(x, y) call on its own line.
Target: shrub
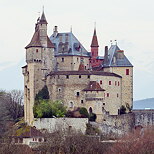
point(48, 109)
point(83, 111)
point(42, 94)
point(92, 117)
point(122, 109)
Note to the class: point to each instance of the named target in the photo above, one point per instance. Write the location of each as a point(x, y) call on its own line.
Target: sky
point(130, 22)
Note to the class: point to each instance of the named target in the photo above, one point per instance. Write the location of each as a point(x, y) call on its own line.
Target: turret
point(40, 61)
point(42, 26)
point(94, 45)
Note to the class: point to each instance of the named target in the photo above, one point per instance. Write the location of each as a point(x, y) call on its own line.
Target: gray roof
point(68, 44)
point(114, 60)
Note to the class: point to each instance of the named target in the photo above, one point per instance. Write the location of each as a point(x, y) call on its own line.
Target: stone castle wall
point(62, 124)
point(71, 63)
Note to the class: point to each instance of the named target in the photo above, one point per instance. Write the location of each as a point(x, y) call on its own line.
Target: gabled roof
point(68, 44)
point(94, 42)
point(114, 61)
point(35, 41)
point(93, 86)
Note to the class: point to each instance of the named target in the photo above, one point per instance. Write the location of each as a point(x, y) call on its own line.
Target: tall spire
point(94, 42)
point(43, 18)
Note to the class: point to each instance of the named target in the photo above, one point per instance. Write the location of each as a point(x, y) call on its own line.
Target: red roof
point(94, 42)
point(35, 42)
point(49, 43)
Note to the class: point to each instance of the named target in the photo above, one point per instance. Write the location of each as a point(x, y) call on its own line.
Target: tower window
point(100, 81)
point(108, 95)
point(109, 82)
point(118, 83)
point(115, 83)
point(67, 76)
point(81, 101)
point(78, 94)
point(79, 76)
point(88, 77)
point(103, 103)
point(62, 59)
point(127, 71)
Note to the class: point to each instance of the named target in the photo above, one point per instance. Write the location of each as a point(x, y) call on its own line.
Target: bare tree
point(14, 103)
point(139, 142)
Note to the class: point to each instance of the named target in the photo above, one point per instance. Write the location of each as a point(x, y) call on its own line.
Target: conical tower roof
point(43, 19)
point(94, 42)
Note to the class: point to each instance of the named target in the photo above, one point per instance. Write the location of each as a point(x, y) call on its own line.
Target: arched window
point(71, 104)
point(90, 110)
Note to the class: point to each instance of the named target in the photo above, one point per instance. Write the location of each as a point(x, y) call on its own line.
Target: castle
point(75, 76)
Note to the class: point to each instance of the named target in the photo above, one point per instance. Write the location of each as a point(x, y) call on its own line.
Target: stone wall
point(66, 88)
point(71, 63)
point(144, 117)
point(64, 124)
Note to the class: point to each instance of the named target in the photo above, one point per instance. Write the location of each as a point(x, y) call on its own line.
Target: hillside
point(144, 103)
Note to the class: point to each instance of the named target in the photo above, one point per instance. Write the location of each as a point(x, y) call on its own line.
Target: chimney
point(106, 55)
point(55, 31)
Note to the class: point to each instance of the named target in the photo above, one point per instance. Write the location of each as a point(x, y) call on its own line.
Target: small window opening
point(67, 76)
point(108, 95)
point(78, 94)
point(109, 82)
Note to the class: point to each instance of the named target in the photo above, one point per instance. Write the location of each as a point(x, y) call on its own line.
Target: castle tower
point(116, 62)
point(40, 61)
point(94, 50)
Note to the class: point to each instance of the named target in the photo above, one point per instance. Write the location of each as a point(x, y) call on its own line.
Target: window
point(109, 82)
point(117, 95)
point(67, 76)
point(62, 59)
point(118, 83)
point(79, 76)
point(108, 95)
point(59, 89)
point(127, 71)
point(40, 139)
point(100, 81)
point(85, 67)
point(88, 77)
point(78, 94)
point(81, 101)
point(77, 59)
point(36, 50)
point(115, 83)
point(103, 103)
